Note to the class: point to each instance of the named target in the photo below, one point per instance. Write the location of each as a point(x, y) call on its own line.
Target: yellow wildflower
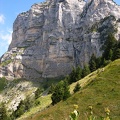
point(76, 106)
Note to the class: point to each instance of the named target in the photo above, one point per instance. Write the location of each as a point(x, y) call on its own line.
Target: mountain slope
point(55, 35)
point(13, 92)
point(100, 92)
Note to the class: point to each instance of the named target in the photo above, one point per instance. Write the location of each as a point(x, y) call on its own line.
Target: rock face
point(55, 35)
point(16, 91)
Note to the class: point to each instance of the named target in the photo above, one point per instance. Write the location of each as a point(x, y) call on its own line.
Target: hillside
point(99, 89)
point(54, 35)
point(12, 92)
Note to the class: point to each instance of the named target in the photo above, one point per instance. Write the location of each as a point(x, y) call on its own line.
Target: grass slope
point(100, 89)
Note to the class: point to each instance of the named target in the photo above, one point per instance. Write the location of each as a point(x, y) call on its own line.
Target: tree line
point(111, 51)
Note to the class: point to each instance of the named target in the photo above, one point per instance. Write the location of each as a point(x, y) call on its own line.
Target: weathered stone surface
point(15, 92)
point(55, 35)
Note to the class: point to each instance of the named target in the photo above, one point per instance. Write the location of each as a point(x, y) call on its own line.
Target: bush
point(51, 90)
point(77, 88)
point(37, 102)
point(3, 113)
point(38, 93)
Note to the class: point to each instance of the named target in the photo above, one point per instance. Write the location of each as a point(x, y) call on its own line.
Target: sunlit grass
point(100, 89)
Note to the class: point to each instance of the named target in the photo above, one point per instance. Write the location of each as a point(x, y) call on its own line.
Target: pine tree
point(61, 92)
point(92, 63)
point(58, 93)
point(109, 45)
point(98, 62)
point(72, 76)
point(110, 54)
point(116, 54)
point(66, 90)
point(78, 73)
point(75, 75)
point(85, 71)
point(92, 66)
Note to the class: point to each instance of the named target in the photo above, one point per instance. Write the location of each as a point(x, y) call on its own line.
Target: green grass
point(100, 89)
point(45, 101)
point(6, 62)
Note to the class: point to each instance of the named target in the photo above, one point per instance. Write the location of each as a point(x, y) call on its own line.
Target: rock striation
point(55, 35)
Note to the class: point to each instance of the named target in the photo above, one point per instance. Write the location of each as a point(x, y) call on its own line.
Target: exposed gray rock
point(55, 35)
point(15, 92)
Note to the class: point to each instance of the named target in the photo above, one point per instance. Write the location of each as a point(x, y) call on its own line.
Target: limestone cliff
point(55, 35)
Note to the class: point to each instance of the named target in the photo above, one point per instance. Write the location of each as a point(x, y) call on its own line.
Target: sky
point(9, 9)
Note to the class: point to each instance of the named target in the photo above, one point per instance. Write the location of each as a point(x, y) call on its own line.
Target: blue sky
point(9, 9)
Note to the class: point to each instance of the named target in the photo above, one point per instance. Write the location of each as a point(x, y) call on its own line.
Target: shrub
point(38, 93)
point(77, 88)
point(3, 113)
point(52, 87)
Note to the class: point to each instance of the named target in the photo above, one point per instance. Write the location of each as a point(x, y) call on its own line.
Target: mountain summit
point(55, 35)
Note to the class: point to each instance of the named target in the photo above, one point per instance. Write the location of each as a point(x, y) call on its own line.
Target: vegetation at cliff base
point(99, 89)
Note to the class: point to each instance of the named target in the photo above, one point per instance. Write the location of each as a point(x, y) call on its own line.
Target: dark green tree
point(52, 87)
point(72, 76)
point(118, 45)
point(20, 110)
point(85, 71)
point(58, 93)
point(109, 46)
point(78, 73)
point(92, 63)
point(110, 54)
point(38, 92)
point(61, 92)
point(29, 102)
point(3, 112)
point(66, 90)
point(98, 62)
point(116, 54)
point(75, 75)
point(77, 88)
